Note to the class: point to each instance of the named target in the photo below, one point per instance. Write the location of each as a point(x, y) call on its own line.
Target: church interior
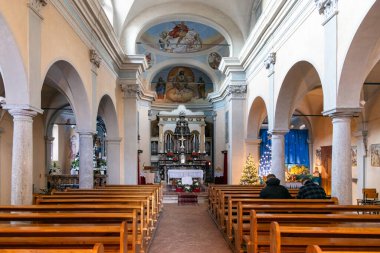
point(187, 96)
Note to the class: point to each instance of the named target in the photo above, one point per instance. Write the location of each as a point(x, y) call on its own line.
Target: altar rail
point(61, 182)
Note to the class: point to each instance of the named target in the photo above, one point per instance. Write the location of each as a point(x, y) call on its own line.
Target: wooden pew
point(144, 220)
point(260, 224)
point(59, 218)
point(227, 216)
point(242, 224)
point(98, 248)
point(112, 236)
point(317, 249)
point(296, 238)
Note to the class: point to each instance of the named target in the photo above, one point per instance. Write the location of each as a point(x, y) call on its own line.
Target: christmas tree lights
point(250, 174)
point(266, 161)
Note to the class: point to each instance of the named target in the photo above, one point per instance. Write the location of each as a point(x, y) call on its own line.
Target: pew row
point(296, 238)
point(260, 237)
point(317, 249)
point(98, 248)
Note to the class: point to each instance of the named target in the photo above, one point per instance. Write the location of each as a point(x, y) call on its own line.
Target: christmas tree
point(250, 173)
point(265, 161)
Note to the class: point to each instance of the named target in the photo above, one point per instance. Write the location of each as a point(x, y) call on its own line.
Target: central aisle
point(187, 228)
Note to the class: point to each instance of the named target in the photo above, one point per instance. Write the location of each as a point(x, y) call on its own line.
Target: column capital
point(36, 6)
point(84, 133)
point(278, 132)
point(270, 61)
point(129, 87)
point(327, 8)
point(342, 112)
point(95, 59)
point(22, 113)
point(113, 140)
point(237, 89)
point(49, 138)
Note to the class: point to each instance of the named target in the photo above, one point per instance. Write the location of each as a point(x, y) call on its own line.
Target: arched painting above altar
point(182, 84)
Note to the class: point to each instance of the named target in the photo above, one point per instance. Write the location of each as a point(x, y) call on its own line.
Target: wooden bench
point(59, 218)
point(258, 240)
point(98, 248)
point(112, 236)
point(227, 216)
point(317, 249)
point(241, 221)
point(297, 238)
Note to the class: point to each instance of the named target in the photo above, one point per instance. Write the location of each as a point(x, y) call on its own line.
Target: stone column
point(341, 174)
point(86, 170)
point(130, 89)
point(113, 160)
point(362, 155)
point(278, 154)
point(22, 157)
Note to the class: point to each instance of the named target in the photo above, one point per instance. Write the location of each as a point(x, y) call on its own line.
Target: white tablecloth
point(185, 173)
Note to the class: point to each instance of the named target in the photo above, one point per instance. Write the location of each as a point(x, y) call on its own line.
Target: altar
point(185, 173)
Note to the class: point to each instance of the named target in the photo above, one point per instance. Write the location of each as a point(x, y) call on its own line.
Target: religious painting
point(318, 157)
point(181, 37)
point(354, 156)
point(375, 155)
point(214, 60)
point(182, 85)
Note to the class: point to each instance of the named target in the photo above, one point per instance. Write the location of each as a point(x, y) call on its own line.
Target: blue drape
point(296, 146)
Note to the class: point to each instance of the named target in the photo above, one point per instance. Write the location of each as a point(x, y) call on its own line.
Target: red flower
point(170, 154)
point(175, 159)
point(194, 154)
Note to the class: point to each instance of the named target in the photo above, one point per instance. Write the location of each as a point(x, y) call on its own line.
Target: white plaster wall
point(144, 131)
point(6, 140)
point(219, 137)
point(39, 164)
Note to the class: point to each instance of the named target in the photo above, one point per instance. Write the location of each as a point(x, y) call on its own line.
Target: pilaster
point(269, 64)
point(253, 148)
point(22, 157)
point(131, 90)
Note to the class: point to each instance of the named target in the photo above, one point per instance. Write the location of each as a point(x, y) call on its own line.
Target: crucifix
point(182, 140)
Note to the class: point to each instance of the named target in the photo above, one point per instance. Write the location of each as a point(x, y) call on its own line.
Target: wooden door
point(326, 155)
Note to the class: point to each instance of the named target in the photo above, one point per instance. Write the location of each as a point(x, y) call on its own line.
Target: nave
point(187, 228)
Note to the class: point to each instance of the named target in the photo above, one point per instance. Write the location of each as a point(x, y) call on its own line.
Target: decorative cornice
point(270, 61)
point(36, 6)
point(278, 132)
point(328, 8)
point(95, 58)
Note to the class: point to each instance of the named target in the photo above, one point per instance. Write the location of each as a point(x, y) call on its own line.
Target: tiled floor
point(187, 228)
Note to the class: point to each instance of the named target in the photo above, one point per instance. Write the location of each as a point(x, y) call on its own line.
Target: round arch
point(172, 10)
point(256, 116)
point(189, 63)
point(363, 54)
point(65, 78)
point(301, 78)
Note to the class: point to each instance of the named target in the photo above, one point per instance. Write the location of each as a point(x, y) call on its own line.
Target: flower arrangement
point(169, 154)
point(175, 159)
point(194, 154)
point(195, 187)
point(298, 170)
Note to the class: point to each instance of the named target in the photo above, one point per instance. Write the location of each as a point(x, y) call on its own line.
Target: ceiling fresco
point(182, 85)
point(181, 37)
